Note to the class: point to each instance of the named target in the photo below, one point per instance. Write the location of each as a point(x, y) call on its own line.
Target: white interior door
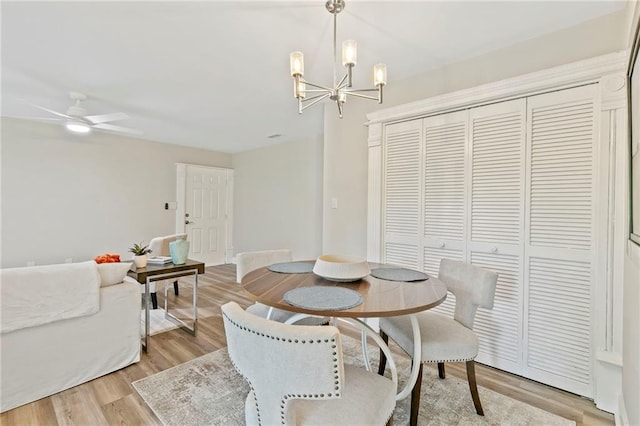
point(205, 214)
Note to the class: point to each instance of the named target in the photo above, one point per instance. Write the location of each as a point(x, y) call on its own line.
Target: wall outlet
point(334, 203)
point(171, 205)
point(68, 260)
point(31, 263)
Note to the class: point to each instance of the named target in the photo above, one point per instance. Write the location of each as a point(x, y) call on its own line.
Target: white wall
point(72, 196)
point(277, 198)
point(346, 139)
point(631, 334)
point(631, 293)
point(345, 181)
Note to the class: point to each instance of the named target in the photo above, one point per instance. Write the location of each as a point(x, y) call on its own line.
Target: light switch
point(334, 203)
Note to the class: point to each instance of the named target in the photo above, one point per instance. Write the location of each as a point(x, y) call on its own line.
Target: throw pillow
point(112, 273)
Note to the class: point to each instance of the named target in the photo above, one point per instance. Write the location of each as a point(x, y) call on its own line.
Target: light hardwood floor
point(112, 400)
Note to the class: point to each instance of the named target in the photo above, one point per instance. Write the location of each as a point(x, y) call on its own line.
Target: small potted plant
point(140, 254)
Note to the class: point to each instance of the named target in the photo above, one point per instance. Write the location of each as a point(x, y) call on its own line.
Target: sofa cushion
point(38, 295)
point(113, 273)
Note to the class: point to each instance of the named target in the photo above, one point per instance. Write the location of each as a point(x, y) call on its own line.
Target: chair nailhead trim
point(285, 397)
point(444, 360)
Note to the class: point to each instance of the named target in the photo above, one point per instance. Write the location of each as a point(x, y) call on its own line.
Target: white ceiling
point(215, 75)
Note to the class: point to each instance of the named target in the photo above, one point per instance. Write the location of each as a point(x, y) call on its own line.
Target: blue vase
point(179, 250)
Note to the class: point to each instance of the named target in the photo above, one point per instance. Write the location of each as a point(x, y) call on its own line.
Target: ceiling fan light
point(77, 126)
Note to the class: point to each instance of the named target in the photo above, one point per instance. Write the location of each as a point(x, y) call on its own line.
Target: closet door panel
point(497, 172)
point(500, 329)
point(431, 265)
point(560, 238)
point(559, 326)
point(496, 234)
point(445, 140)
point(402, 150)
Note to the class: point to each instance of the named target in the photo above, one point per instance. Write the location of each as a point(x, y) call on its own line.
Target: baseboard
point(620, 416)
point(608, 377)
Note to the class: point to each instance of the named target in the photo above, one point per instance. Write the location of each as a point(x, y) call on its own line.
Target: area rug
point(209, 391)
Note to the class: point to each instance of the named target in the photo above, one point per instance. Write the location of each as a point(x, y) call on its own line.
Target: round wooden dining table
point(380, 298)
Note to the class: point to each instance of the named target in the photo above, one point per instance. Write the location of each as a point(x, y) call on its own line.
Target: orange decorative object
point(108, 258)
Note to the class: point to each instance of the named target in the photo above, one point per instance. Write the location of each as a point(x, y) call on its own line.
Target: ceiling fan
point(76, 119)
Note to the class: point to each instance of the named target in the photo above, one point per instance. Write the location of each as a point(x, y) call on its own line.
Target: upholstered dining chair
point(297, 376)
point(159, 246)
point(446, 339)
point(252, 260)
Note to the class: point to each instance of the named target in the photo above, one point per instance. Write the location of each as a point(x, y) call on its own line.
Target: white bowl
point(341, 268)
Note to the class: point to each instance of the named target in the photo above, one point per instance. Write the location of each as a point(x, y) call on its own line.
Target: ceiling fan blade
point(106, 117)
point(46, 109)
point(21, 117)
point(118, 129)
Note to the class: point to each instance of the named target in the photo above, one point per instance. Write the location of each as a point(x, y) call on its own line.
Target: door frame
point(181, 197)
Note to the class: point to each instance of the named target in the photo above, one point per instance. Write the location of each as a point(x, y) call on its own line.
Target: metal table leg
point(183, 325)
point(147, 300)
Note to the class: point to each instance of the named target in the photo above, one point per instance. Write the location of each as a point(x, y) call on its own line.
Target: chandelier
point(341, 88)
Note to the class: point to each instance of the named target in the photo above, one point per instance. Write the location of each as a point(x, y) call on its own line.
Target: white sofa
point(63, 325)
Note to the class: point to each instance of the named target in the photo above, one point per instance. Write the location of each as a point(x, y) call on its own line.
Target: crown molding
point(572, 74)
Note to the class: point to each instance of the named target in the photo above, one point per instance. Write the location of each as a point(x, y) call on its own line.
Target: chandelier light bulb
point(349, 52)
point(380, 74)
point(296, 61)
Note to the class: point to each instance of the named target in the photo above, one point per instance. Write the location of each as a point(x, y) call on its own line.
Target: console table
point(166, 272)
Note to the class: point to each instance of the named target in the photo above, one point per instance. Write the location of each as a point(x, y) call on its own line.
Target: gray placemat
point(399, 274)
point(321, 298)
point(292, 267)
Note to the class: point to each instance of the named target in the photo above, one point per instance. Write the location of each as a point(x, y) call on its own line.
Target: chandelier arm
point(360, 90)
point(342, 83)
point(315, 97)
point(359, 95)
point(316, 91)
point(328, 89)
point(339, 109)
point(315, 101)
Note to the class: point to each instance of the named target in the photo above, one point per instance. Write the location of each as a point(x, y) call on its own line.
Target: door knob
point(186, 222)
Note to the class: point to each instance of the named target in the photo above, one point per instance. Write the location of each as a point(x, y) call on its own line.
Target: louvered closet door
point(402, 193)
point(559, 238)
point(496, 224)
point(444, 208)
